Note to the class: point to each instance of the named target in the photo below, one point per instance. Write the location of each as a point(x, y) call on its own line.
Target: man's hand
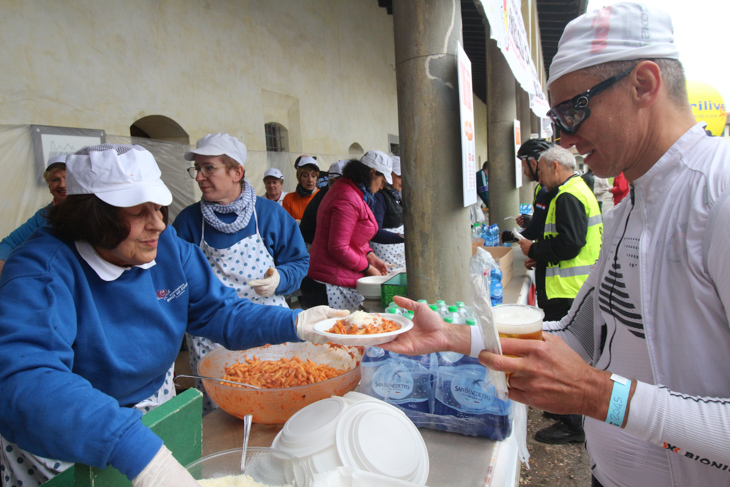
point(547, 374)
point(267, 286)
point(430, 333)
point(525, 245)
point(523, 220)
point(378, 263)
point(530, 264)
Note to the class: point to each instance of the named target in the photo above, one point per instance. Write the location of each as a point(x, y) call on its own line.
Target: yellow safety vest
point(564, 279)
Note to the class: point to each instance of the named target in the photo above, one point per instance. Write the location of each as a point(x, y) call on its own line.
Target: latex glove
point(164, 471)
point(267, 286)
point(310, 317)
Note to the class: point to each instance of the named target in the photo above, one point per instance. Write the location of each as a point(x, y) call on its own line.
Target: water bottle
point(441, 307)
point(455, 316)
point(461, 309)
point(476, 230)
point(495, 286)
point(471, 321)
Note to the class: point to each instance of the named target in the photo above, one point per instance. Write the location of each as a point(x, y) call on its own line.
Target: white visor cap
point(620, 32)
point(396, 165)
point(56, 160)
point(217, 145)
point(336, 168)
point(273, 172)
point(381, 162)
point(120, 175)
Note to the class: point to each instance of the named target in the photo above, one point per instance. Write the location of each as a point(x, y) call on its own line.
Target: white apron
point(394, 255)
point(28, 470)
point(244, 261)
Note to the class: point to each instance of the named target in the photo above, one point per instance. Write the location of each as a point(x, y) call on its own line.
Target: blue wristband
point(619, 400)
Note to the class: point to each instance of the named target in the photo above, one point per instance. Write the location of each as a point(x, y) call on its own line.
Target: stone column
point(501, 113)
point(437, 226)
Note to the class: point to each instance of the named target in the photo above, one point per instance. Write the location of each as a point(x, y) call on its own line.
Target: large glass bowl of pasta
point(293, 375)
point(264, 467)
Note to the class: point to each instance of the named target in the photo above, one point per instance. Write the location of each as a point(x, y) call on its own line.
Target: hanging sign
point(466, 129)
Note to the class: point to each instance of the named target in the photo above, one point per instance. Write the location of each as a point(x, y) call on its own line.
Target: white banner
point(508, 29)
point(466, 128)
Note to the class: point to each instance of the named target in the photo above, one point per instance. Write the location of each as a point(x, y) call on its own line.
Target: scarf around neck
point(367, 196)
point(303, 192)
point(242, 206)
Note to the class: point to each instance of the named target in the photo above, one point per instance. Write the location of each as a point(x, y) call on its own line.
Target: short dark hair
point(87, 218)
point(357, 172)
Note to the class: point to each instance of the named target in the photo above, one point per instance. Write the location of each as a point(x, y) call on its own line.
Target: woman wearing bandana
point(307, 174)
point(251, 243)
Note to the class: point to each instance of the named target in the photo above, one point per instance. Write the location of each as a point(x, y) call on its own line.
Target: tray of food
point(360, 328)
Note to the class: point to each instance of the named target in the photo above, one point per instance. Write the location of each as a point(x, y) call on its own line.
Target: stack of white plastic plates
point(370, 286)
point(359, 432)
point(375, 437)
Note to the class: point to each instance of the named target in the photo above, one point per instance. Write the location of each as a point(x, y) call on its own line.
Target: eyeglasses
point(570, 114)
point(206, 170)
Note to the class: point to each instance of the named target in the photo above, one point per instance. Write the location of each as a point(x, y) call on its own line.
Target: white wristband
point(477, 341)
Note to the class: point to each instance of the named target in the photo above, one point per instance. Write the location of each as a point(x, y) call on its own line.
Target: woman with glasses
point(251, 243)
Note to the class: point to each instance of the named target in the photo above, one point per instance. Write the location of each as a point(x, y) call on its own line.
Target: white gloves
point(164, 471)
point(310, 317)
point(267, 286)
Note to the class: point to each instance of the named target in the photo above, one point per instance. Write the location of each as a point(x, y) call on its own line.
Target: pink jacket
point(345, 225)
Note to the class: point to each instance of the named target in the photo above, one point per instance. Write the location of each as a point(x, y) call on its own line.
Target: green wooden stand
point(179, 422)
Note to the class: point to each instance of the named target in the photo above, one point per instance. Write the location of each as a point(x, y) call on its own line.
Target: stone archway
point(159, 127)
point(356, 150)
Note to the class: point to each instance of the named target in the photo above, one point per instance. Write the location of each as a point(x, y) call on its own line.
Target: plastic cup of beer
point(518, 321)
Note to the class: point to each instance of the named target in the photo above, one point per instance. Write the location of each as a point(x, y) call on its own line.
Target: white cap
point(56, 160)
point(217, 145)
point(307, 161)
point(396, 165)
point(120, 175)
point(337, 167)
point(620, 32)
point(381, 162)
point(273, 172)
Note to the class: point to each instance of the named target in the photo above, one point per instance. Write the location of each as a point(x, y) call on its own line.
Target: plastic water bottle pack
point(444, 391)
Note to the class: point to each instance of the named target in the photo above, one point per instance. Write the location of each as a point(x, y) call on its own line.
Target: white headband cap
point(620, 32)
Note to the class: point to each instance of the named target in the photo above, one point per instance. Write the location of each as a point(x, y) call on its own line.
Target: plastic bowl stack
point(359, 432)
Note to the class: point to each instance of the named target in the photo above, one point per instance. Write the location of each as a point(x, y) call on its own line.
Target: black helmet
point(533, 148)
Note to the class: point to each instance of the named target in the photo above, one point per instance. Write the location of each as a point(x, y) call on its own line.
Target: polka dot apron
point(339, 297)
point(20, 468)
point(393, 254)
point(246, 260)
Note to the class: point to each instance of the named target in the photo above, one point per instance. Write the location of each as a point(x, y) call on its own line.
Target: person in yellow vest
point(563, 257)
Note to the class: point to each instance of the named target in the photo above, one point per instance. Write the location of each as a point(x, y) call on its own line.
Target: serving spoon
point(219, 380)
point(246, 432)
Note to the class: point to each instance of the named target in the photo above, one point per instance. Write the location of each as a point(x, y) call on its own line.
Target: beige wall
point(322, 68)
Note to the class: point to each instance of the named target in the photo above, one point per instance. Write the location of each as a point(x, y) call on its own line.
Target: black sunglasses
point(569, 115)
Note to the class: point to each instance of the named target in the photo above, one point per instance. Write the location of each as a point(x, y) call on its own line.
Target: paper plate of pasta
point(361, 328)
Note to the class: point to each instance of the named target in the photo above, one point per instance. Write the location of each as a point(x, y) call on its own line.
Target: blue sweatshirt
point(21, 234)
point(278, 229)
point(76, 350)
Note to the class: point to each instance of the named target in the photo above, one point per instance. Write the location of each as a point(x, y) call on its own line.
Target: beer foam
point(517, 319)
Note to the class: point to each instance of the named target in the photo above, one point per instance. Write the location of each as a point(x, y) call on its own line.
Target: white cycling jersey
point(668, 286)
